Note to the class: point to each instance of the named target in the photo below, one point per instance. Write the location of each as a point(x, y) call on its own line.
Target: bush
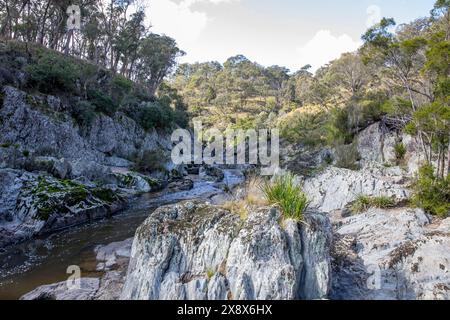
point(359, 112)
point(284, 193)
point(364, 203)
point(102, 102)
point(347, 156)
point(53, 72)
point(84, 113)
point(151, 161)
point(431, 193)
point(307, 128)
point(121, 88)
point(154, 115)
point(400, 152)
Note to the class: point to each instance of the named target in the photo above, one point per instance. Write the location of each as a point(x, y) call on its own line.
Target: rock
point(118, 162)
point(90, 170)
point(10, 185)
point(316, 239)
point(36, 205)
point(107, 287)
point(135, 181)
point(303, 160)
point(108, 255)
point(61, 291)
point(334, 188)
point(211, 173)
point(61, 169)
point(111, 284)
point(391, 254)
point(193, 169)
point(180, 185)
point(193, 250)
point(109, 141)
point(376, 145)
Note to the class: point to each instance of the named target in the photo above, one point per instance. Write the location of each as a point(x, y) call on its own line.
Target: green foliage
point(431, 193)
point(102, 101)
point(347, 156)
point(153, 115)
point(357, 114)
point(105, 194)
point(286, 194)
point(364, 203)
point(150, 161)
point(53, 72)
point(305, 128)
point(121, 87)
point(84, 113)
point(400, 152)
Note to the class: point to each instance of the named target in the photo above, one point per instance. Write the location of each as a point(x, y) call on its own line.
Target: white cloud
point(373, 15)
point(325, 47)
point(179, 20)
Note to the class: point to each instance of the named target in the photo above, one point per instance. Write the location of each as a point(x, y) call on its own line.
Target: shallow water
point(45, 260)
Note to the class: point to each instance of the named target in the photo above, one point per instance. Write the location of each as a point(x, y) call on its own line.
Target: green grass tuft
point(364, 203)
point(285, 193)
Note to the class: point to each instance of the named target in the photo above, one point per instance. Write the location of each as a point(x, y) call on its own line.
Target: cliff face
point(198, 251)
point(38, 126)
point(55, 174)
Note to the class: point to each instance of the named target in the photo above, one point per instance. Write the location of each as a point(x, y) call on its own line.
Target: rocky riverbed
point(182, 243)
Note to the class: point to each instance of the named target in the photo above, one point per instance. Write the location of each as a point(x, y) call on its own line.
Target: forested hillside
point(399, 76)
point(112, 62)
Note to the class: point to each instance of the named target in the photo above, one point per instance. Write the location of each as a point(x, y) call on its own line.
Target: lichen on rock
point(193, 250)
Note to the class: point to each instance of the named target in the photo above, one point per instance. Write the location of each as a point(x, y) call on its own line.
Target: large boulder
point(86, 290)
point(211, 173)
point(391, 254)
point(10, 185)
point(376, 146)
point(194, 250)
point(334, 188)
point(33, 204)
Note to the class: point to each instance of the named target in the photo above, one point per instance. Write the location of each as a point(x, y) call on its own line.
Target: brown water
point(43, 261)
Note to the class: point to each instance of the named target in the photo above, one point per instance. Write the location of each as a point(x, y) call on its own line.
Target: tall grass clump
point(286, 194)
point(400, 152)
point(364, 203)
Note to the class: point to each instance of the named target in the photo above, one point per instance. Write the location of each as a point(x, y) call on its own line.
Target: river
point(45, 260)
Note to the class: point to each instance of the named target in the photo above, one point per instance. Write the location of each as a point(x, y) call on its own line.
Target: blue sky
point(291, 33)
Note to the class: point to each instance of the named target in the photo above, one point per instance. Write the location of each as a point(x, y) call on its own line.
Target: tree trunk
point(69, 38)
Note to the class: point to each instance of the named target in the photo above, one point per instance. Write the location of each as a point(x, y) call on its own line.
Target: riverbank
point(45, 260)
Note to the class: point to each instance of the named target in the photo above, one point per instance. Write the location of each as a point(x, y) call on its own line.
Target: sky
point(290, 33)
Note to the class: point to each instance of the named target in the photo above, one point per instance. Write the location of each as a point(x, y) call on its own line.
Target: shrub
point(347, 156)
point(286, 194)
point(84, 113)
point(151, 161)
point(304, 127)
point(102, 102)
point(364, 203)
point(154, 115)
point(400, 152)
point(431, 193)
point(357, 114)
point(51, 72)
point(120, 88)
